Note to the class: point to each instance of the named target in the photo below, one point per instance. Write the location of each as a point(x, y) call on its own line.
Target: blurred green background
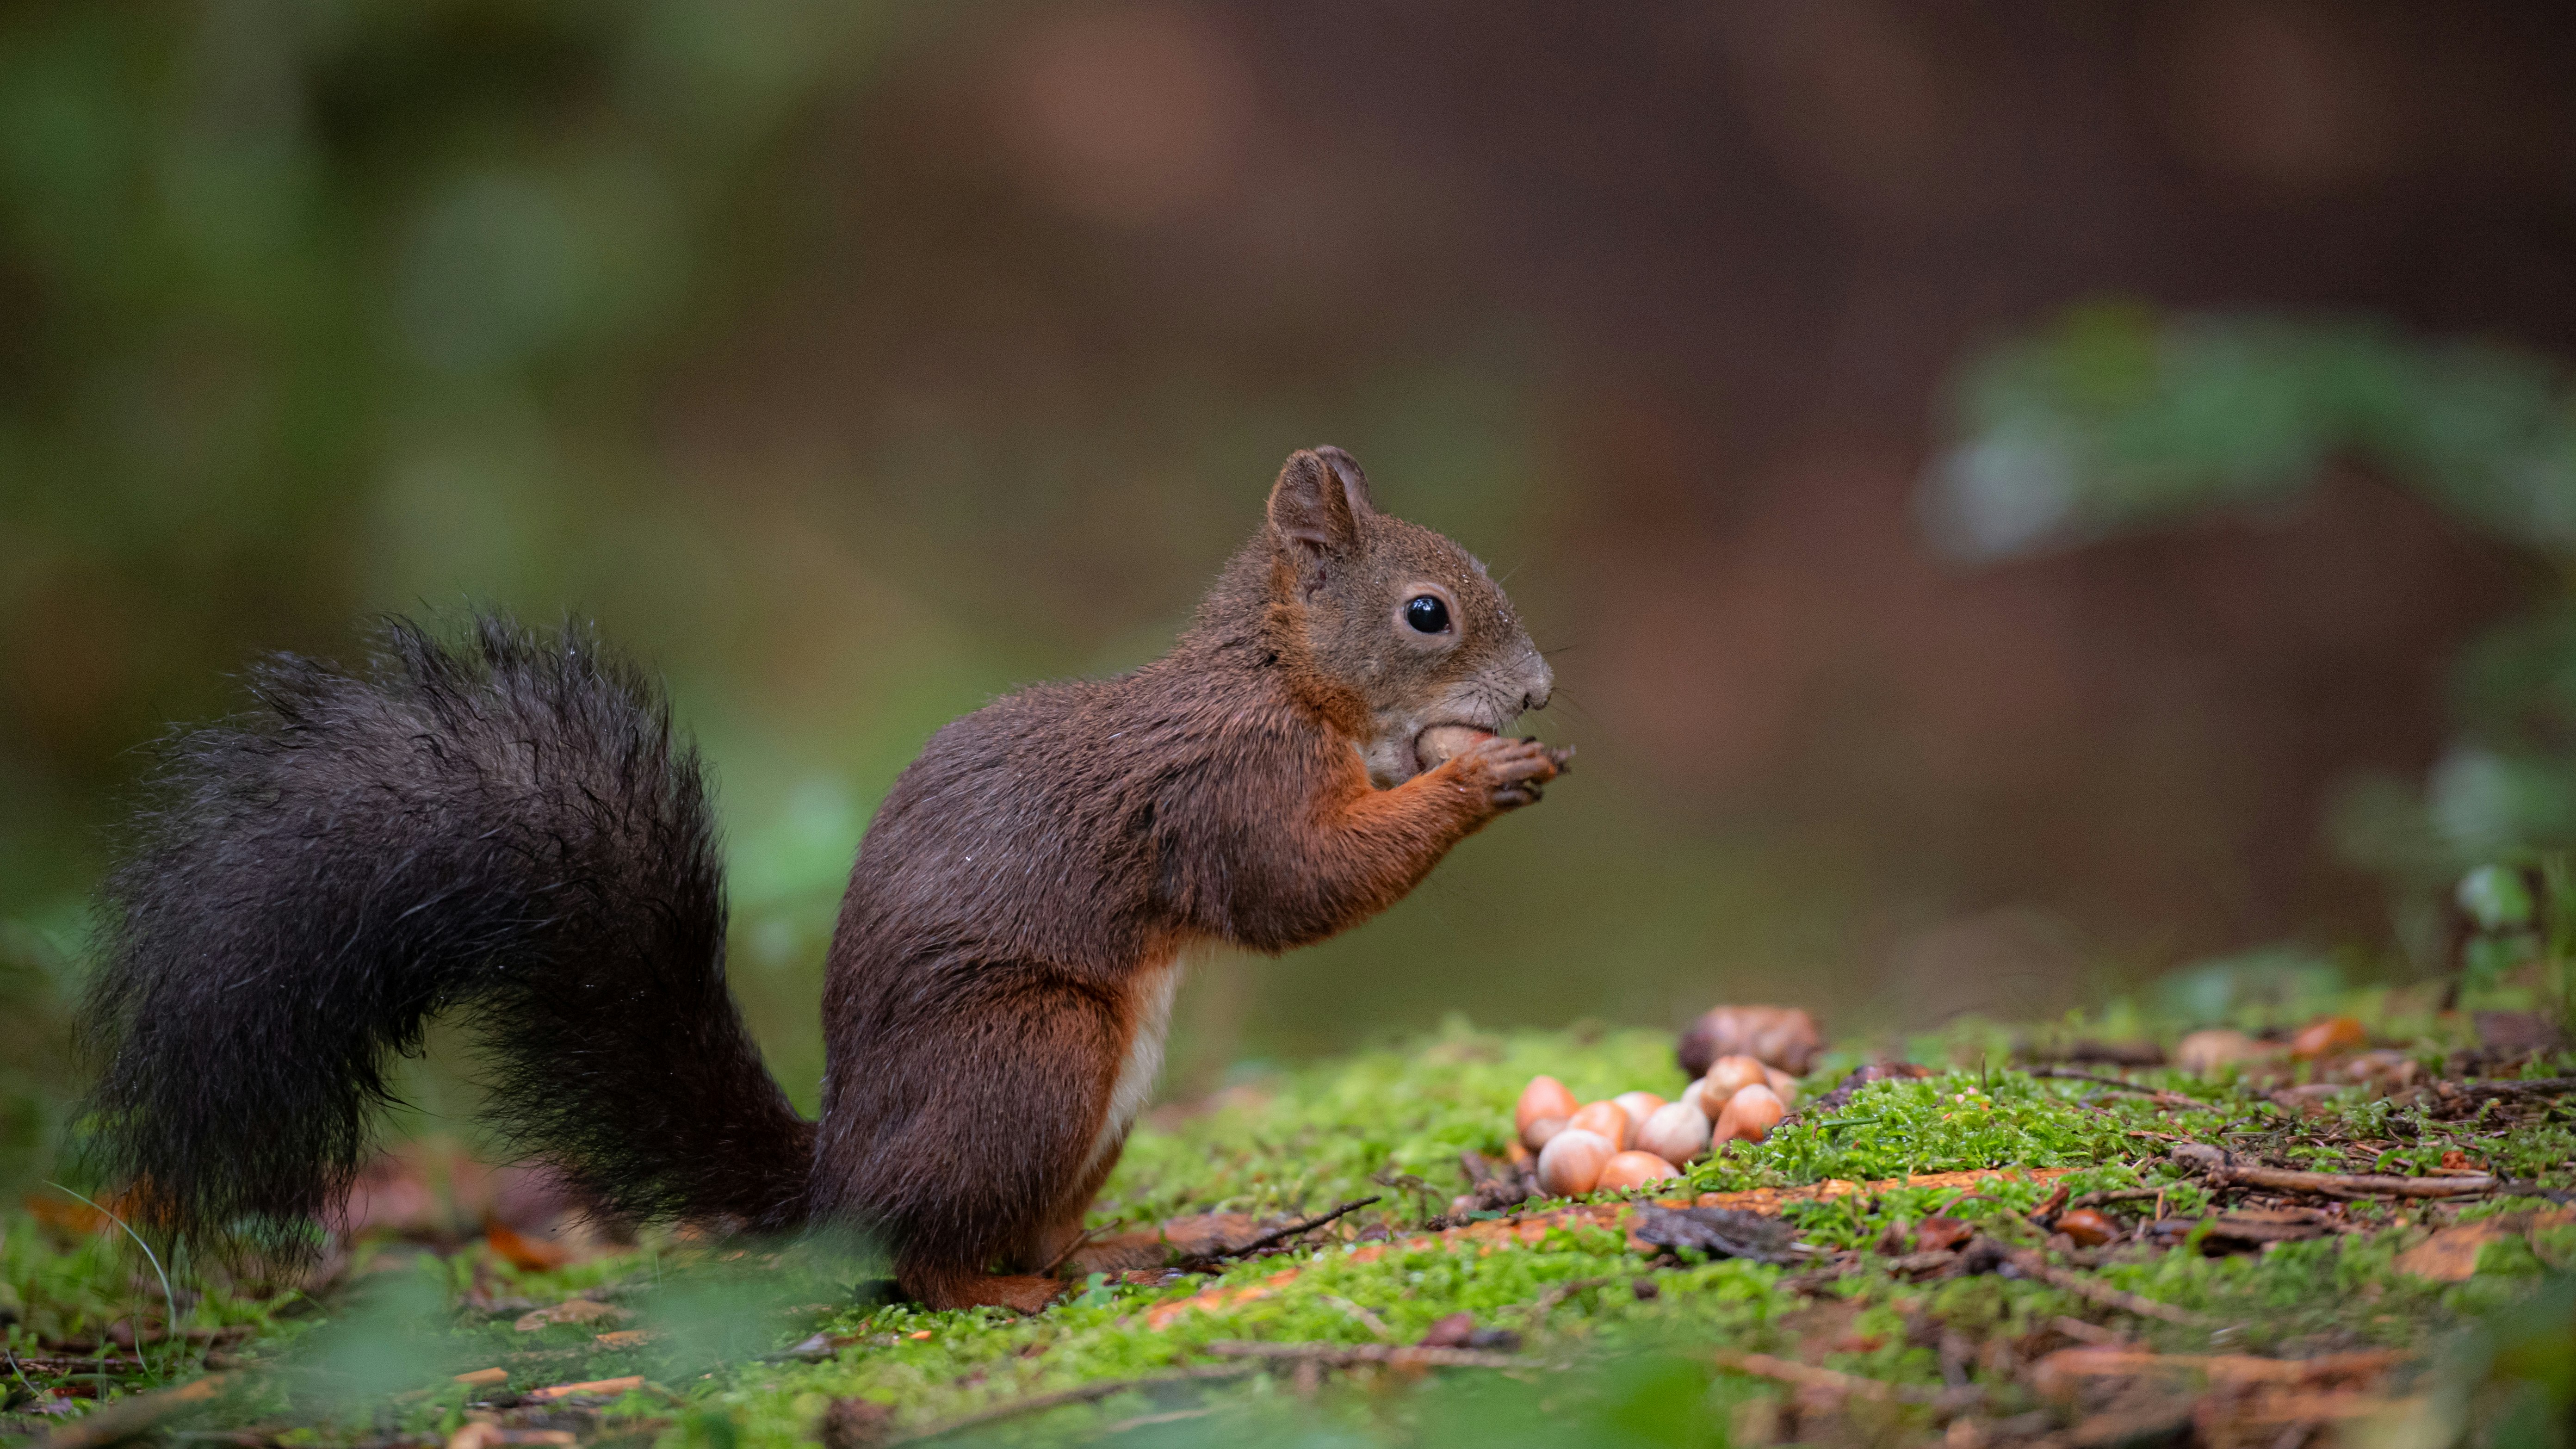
point(2024, 499)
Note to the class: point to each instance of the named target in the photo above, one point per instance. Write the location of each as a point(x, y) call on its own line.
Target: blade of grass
point(171, 1323)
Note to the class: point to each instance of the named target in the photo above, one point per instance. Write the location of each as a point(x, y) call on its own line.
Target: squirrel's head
point(1395, 617)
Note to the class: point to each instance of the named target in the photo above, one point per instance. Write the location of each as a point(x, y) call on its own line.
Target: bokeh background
point(2024, 497)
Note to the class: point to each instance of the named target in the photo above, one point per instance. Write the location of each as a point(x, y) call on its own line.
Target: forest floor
point(2363, 1243)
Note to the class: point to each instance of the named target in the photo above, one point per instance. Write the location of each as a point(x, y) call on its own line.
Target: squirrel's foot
point(1509, 770)
point(1024, 1293)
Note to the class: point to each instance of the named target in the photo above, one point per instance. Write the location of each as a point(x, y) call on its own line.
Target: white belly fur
point(1149, 1007)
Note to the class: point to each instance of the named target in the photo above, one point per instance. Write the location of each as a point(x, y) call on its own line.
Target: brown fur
point(1047, 850)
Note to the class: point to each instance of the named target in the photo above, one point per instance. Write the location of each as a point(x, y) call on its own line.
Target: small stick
point(1368, 1320)
point(2032, 1265)
point(1343, 1355)
point(2125, 1362)
point(2222, 1168)
point(2536, 1087)
point(1173, 1416)
point(600, 1388)
point(127, 1418)
point(2163, 1098)
point(1546, 1302)
point(1808, 1376)
point(1083, 1394)
point(2122, 1194)
point(1281, 1235)
point(1081, 1241)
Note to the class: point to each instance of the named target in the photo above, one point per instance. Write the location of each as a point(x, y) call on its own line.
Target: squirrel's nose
point(1542, 686)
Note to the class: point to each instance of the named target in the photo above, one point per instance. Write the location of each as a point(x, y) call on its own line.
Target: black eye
point(1427, 614)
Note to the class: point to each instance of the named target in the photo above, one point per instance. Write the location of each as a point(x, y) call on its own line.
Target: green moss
point(1617, 1367)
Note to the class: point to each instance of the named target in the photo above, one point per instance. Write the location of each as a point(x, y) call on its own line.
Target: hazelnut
point(1543, 1097)
point(2203, 1052)
point(1441, 743)
point(1675, 1132)
point(1730, 1075)
point(1572, 1162)
point(1783, 1036)
point(1537, 1134)
point(1749, 1115)
point(1639, 1106)
point(1608, 1119)
point(1633, 1169)
point(1782, 1085)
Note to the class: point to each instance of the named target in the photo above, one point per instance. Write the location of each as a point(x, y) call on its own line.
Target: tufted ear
point(1311, 511)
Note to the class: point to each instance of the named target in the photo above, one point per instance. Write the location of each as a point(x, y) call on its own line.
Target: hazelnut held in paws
point(507, 828)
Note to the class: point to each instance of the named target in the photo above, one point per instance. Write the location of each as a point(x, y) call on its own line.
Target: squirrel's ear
point(1310, 510)
point(1354, 482)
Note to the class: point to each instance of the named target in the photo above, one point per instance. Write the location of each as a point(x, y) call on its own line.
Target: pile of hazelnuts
point(1745, 1062)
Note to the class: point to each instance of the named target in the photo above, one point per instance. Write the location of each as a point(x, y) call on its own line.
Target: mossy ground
point(1620, 1346)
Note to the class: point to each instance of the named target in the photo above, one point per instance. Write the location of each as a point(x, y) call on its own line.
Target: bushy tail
point(504, 828)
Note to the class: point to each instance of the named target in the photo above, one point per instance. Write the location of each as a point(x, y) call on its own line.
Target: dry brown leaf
point(525, 1252)
point(2326, 1036)
point(2451, 1254)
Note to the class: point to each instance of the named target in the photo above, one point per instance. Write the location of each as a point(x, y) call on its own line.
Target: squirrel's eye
point(1427, 614)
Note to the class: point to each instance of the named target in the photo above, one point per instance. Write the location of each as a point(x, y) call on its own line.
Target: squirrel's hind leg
point(1059, 1239)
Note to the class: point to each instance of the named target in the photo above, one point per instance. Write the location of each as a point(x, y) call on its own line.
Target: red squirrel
point(510, 828)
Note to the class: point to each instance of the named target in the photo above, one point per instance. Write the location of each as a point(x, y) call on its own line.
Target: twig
point(2231, 1368)
point(1172, 1416)
point(126, 1418)
point(600, 1388)
point(1083, 1394)
point(2121, 1194)
point(1557, 1293)
point(2222, 1168)
point(1808, 1376)
point(1280, 1235)
point(2031, 1265)
point(1343, 1355)
point(2163, 1097)
point(2090, 1333)
point(1368, 1320)
point(1081, 1241)
point(2536, 1087)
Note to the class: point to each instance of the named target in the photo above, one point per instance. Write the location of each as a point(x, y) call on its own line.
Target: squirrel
point(510, 827)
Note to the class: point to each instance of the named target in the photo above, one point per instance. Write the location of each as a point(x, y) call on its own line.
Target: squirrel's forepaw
point(1511, 770)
